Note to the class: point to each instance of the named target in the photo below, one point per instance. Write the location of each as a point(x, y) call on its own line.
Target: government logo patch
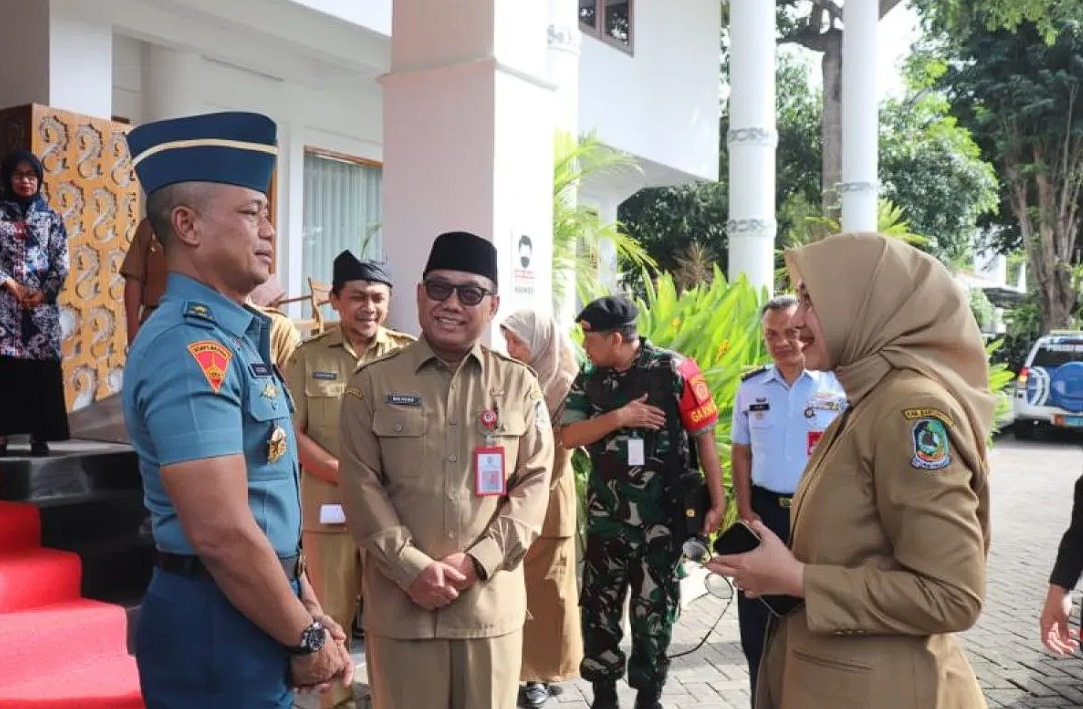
point(931, 444)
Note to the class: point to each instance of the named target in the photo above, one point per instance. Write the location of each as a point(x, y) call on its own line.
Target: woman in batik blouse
point(33, 266)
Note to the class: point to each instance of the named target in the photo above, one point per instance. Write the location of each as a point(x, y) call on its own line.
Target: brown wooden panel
point(90, 182)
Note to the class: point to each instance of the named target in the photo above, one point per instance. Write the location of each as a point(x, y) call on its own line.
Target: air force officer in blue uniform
point(780, 413)
point(230, 620)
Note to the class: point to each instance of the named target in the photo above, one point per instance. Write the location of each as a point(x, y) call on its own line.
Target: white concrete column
point(171, 83)
point(860, 187)
point(63, 54)
point(752, 141)
point(468, 142)
point(563, 58)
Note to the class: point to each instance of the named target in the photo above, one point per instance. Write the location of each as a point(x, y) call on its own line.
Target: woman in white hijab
point(552, 638)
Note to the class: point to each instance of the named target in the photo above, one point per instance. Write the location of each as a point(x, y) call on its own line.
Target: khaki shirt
point(891, 518)
point(285, 338)
point(145, 262)
point(410, 427)
point(316, 375)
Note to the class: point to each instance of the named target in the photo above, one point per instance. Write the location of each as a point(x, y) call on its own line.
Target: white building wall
point(662, 102)
point(372, 14)
point(343, 119)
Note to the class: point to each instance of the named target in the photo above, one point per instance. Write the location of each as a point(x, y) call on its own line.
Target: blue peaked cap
point(232, 148)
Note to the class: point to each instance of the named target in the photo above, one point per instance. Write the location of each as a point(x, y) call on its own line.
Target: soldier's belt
point(192, 566)
point(771, 497)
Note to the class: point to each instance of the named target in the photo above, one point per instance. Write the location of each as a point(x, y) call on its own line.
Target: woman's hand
point(1056, 632)
point(770, 569)
point(33, 298)
point(16, 289)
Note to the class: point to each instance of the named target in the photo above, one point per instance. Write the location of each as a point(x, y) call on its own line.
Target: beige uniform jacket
point(893, 524)
point(560, 519)
point(316, 375)
point(285, 338)
point(410, 427)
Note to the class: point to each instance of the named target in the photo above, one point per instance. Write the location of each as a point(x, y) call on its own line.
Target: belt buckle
point(785, 502)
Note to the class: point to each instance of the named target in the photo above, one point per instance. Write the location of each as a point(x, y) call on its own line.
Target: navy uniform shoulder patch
point(932, 447)
point(748, 375)
point(198, 312)
point(927, 412)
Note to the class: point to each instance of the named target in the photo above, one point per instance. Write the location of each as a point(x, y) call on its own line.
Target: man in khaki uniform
point(316, 376)
point(446, 447)
point(285, 338)
point(144, 274)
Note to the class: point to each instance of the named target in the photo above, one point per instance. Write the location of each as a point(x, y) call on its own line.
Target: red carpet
point(58, 649)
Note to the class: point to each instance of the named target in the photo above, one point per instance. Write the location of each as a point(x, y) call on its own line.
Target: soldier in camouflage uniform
point(636, 408)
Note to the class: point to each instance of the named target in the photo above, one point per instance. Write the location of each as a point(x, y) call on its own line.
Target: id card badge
point(489, 471)
point(636, 454)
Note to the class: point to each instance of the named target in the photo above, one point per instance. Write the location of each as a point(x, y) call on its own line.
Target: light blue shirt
point(782, 423)
point(199, 384)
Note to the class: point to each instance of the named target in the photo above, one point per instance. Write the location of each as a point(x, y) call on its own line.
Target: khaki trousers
point(473, 673)
point(334, 568)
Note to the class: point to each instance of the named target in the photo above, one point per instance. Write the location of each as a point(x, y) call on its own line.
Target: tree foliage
point(1021, 98)
point(578, 231)
point(931, 170)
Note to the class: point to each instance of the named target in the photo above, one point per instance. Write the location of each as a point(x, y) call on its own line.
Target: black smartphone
point(738, 539)
point(741, 539)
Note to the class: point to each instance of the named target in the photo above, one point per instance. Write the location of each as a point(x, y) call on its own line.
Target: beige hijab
point(550, 354)
point(885, 305)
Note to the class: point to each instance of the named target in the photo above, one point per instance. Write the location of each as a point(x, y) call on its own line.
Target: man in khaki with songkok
point(316, 375)
point(446, 448)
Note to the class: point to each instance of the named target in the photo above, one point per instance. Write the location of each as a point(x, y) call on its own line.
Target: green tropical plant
point(813, 226)
point(578, 230)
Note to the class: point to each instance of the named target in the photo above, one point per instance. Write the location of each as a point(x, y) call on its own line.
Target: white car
point(1049, 391)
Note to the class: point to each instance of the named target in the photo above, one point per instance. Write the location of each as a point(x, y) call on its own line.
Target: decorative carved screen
point(89, 181)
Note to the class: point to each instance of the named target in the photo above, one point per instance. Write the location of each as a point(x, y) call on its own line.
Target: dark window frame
point(599, 33)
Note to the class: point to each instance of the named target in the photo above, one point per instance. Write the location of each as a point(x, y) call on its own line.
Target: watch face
point(313, 638)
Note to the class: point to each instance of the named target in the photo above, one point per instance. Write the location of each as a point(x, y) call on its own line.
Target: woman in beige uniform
point(552, 639)
point(890, 524)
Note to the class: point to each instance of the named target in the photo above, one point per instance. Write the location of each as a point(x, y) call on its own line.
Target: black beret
point(350, 268)
point(462, 251)
point(613, 312)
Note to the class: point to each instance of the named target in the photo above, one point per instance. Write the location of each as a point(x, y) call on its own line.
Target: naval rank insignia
point(276, 447)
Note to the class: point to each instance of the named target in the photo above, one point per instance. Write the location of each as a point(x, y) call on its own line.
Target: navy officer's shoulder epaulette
point(758, 370)
point(198, 313)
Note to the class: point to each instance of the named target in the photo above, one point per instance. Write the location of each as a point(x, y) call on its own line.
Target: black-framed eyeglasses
point(470, 295)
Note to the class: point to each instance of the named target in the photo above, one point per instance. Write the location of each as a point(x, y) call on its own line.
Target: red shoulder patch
point(213, 358)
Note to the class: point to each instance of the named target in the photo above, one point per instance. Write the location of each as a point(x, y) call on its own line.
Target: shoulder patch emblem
point(915, 414)
point(932, 450)
point(192, 309)
point(213, 359)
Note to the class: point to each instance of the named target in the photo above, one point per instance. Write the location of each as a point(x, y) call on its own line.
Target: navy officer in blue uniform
point(780, 414)
point(230, 620)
